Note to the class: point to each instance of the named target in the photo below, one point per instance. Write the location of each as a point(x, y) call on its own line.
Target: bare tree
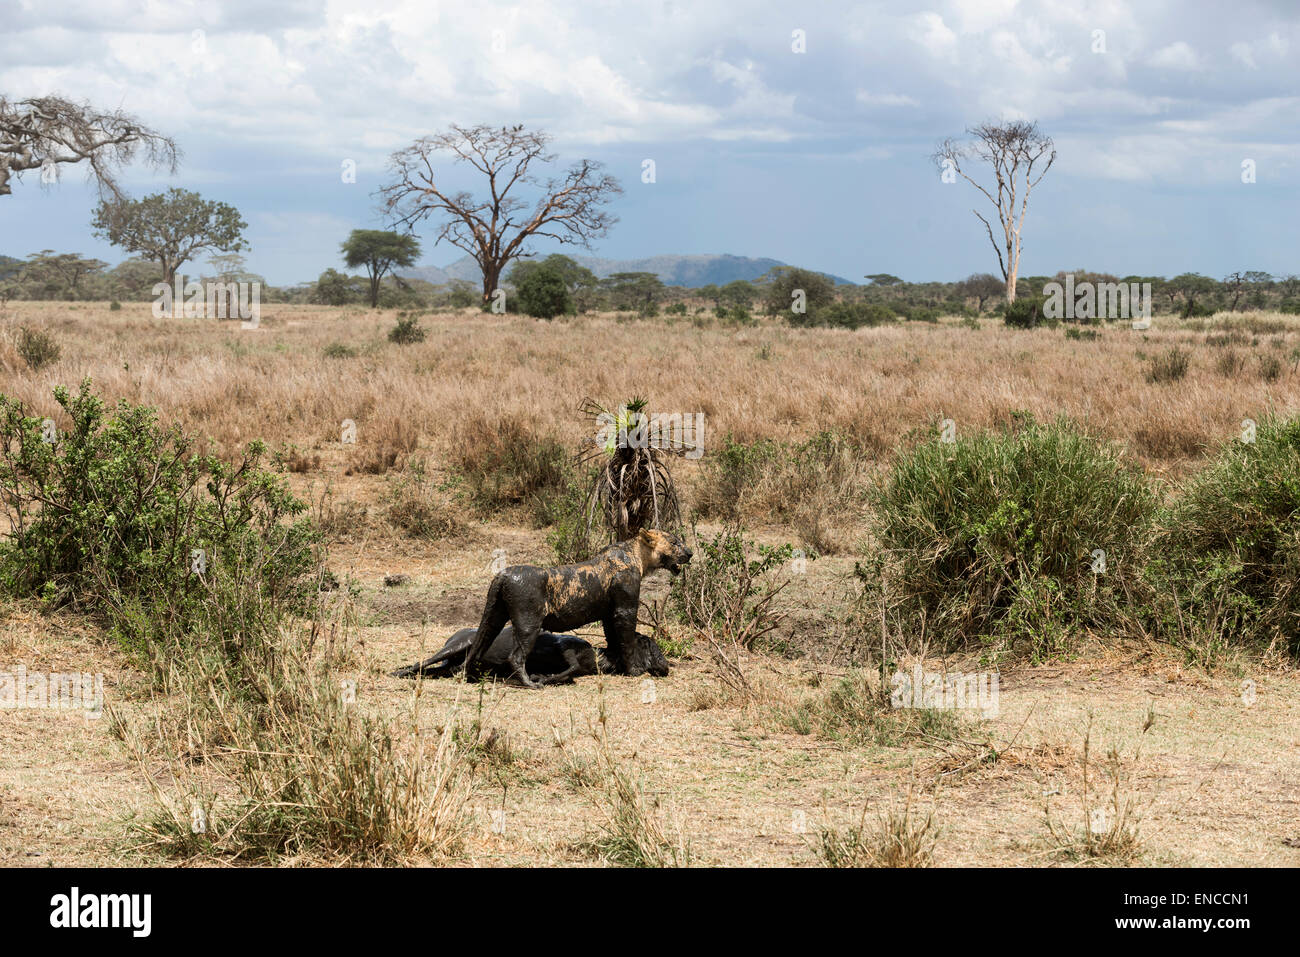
point(495, 229)
point(1013, 149)
point(48, 131)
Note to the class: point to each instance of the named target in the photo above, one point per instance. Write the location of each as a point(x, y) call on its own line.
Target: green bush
point(407, 331)
point(818, 290)
point(114, 306)
point(1026, 313)
point(1227, 555)
point(339, 350)
point(110, 514)
point(916, 313)
point(543, 293)
point(847, 315)
point(994, 537)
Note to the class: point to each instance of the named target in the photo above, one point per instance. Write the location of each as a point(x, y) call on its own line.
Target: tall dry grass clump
point(506, 464)
point(897, 837)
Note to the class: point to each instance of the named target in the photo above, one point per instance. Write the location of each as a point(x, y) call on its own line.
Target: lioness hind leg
point(527, 628)
point(495, 616)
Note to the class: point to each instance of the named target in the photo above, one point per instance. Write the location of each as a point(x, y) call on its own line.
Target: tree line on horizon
point(166, 230)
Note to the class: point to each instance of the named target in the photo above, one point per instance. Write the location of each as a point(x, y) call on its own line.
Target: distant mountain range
point(689, 271)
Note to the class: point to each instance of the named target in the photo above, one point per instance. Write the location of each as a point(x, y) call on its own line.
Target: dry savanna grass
point(1127, 753)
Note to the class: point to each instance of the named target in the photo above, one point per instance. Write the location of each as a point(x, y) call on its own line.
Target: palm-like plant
point(632, 487)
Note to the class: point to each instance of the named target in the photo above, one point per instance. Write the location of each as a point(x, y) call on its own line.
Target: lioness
point(604, 588)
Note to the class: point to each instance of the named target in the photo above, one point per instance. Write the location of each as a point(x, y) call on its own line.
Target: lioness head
point(662, 550)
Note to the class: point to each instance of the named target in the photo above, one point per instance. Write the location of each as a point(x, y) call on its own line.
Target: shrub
point(1228, 548)
point(37, 347)
point(724, 593)
point(817, 290)
point(338, 350)
point(109, 516)
point(1169, 366)
point(543, 293)
point(407, 331)
point(846, 315)
point(916, 313)
point(566, 513)
point(114, 306)
point(1026, 313)
point(993, 537)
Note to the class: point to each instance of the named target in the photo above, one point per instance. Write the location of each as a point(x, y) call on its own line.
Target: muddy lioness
point(604, 588)
point(555, 659)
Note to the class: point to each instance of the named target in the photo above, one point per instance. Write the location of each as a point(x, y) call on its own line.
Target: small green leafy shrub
point(845, 315)
point(407, 331)
point(120, 516)
point(728, 595)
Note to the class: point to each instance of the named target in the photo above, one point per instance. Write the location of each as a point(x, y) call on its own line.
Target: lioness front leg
point(620, 632)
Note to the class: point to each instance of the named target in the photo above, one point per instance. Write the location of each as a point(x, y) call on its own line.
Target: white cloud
point(1242, 53)
point(884, 99)
point(931, 32)
point(1176, 56)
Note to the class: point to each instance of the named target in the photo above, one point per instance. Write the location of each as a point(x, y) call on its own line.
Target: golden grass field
point(1211, 781)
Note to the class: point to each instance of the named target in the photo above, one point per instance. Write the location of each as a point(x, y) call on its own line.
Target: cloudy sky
point(819, 158)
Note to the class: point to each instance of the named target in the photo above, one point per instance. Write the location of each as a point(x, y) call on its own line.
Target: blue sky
point(819, 158)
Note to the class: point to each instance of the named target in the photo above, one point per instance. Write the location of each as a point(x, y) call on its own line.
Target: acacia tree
point(495, 229)
point(1013, 149)
point(379, 251)
point(61, 273)
point(49, 131)
point(170, 227)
